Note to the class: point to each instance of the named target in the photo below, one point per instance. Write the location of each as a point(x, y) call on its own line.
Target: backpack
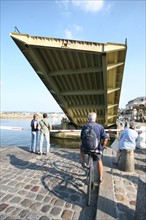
point(32, 125)
point(89, 138)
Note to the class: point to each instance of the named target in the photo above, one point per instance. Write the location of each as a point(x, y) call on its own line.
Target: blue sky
point(99, 21)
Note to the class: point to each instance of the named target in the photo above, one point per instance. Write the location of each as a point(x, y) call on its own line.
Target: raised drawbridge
point(82, 76)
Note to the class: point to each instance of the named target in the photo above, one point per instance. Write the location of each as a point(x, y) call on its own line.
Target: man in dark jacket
point(101, 136)
point(34, 133)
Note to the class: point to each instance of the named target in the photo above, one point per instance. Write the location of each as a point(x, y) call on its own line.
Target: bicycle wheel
point(90, 181)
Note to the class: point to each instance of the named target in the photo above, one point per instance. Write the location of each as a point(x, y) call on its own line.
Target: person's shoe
point(101, 181)
point(84, 165)
point(36, 152)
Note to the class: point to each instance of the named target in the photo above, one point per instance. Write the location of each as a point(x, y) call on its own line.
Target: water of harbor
point(22, 138)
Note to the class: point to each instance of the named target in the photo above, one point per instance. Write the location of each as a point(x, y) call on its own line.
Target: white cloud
point(68, 34)
point(85, 5)
point(90, 5)
point(75, 28)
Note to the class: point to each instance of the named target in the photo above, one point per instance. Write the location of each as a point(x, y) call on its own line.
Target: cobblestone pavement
point(125, 186)
point(54, 187)
point(117, 195)
point(44, 187)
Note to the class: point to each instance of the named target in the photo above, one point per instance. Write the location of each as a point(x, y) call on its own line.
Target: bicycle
point(90, 174)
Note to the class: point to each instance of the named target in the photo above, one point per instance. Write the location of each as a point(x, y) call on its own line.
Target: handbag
point(115, 145)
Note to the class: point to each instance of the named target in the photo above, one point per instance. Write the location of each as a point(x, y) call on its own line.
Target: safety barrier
point(19, 129)
point(11, 128)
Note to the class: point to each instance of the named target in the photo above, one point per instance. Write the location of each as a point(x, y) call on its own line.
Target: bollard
point(126, 161)
point(140, 212)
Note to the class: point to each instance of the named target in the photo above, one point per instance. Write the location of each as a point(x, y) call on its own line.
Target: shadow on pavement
point(125, 211)
point(64, 178)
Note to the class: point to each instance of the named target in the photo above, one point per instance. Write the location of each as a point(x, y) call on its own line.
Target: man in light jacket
point(44, 127)
point(127, 140)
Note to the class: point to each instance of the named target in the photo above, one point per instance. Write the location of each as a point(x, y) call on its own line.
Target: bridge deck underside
point(81, 76)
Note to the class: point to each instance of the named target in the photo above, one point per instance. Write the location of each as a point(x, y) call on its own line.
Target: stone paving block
point(67, 215)
point(53, 200)
point(68, 205)
point(36, 206)
point(46, 208)
point(27, 180)
point(6, 175)
point(45, 218)
point(24, 213)
point(10, 209)
point(28, 186)
point(12, 183)
point(20, 185)
point(7, 197)
point(39, 197)
point(15, 199)
point(43, 191)
point(33, 216)
point(5, 181)
point(16, 212)
point(31, 195)
point(34, 182)
point(26, 202)
point(22, 192)
point(4, 187)
point(12, 190)
point(35, 188)
point(47, 199)
point(56, 211)
point(3, 206)
point(59, 202)
point(18, 178)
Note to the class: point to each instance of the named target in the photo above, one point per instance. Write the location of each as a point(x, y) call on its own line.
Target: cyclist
point(102, 140)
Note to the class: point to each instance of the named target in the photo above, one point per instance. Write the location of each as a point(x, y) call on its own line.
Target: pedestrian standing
point(127, 140)
point(44, 127)
point(34, 133)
